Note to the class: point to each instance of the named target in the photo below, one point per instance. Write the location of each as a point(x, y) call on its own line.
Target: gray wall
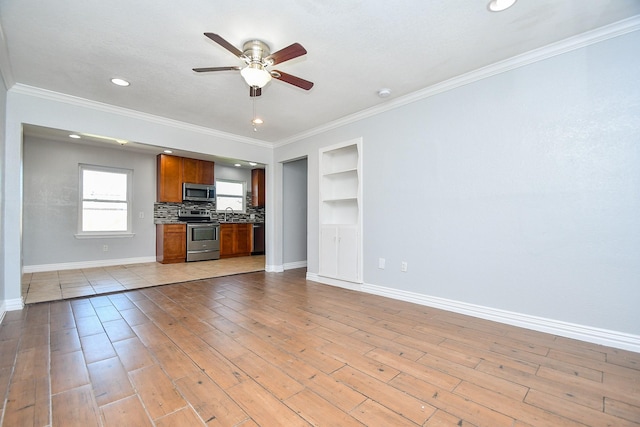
point(3, 114)
point(294, 211)
point(517, 192)
point(50, 211)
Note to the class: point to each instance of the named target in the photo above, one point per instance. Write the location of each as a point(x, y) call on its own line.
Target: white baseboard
point(556, 327)
point(334, 282)
point(10, 305)
point(274, 268)
point(86, 264)
point(590, 334)
point(294, 265)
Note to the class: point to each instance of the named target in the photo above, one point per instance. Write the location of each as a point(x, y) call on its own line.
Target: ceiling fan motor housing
point(256, 51)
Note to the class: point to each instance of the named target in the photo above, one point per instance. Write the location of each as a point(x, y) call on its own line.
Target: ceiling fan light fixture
point(500, 5)
point(255, 75)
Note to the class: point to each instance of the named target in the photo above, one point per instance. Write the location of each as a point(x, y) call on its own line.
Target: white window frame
point(243, 197)
point(129, 201)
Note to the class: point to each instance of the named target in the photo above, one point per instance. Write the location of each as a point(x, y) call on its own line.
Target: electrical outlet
point(381, 262)
point(105, 248)
point(141, 215)
point(404, 266)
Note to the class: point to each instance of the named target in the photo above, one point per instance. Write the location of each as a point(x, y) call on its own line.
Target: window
point(105, 198)
point(230, 194)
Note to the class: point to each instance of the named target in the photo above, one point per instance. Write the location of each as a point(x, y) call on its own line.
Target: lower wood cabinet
point(171, 243)
point(235, 240)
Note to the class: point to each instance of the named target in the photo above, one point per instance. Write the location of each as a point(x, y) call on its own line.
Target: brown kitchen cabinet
point(173, 171)
point(235, 240)
point(257, 187)
point(169, 180)
point(197, 171)
point(171, 243)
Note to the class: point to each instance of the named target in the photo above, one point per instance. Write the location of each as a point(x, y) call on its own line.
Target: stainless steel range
point(203, 235)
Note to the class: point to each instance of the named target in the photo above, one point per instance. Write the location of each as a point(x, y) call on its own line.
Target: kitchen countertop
point(168, 221)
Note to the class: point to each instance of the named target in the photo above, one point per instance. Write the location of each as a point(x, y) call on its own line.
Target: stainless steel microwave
point(198, 192)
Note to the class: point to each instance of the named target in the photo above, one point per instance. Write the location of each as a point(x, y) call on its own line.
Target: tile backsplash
point(168, 212)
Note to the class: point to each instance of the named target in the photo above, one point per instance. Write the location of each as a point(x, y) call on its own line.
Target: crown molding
point(567, 45)
point(112, 109)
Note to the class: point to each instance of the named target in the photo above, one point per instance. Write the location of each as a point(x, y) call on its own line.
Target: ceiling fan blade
point(254, 91)
point(205, 69)
point(225, 44)
point(289, 52)
point(293, 80)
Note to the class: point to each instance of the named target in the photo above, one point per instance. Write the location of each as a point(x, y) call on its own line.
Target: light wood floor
point(65, 284)
point(271, 349)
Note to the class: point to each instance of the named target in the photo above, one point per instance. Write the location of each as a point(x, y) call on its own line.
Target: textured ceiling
point(354, 48)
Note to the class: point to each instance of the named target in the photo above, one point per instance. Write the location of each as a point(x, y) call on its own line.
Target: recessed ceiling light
point(237, 165)
point(500, 5)
point(168, 151)
point(120, 82)
point(384, 93)
point(253, 163)
point(257, 121)
point(74, 136)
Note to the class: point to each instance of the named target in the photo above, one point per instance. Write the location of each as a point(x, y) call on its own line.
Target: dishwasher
point(258, 239)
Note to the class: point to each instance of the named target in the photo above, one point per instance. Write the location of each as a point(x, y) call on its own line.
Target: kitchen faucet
point(225, 213)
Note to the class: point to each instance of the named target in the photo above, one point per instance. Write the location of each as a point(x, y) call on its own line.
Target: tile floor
point(64, 284)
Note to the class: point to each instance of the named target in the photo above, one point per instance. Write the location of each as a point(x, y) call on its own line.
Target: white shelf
point(341, 211)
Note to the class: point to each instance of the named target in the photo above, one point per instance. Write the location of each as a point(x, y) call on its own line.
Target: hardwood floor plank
point(408, 406)
point(264, 349)
point(372, 413)
point(125, 412)
point(451, 403)
point(317, 410)
point(97, 347)
point(262, 406)
point(118, 330)
point(133, 354)
point(174, 362)
point(110, 381)
point(75, 407)
point(156, 391)
point(213, 405)
point(181, 418)
point(28, 403)
point(268, 376)
point(68, 371)
point(574, 411)
point(89, 325)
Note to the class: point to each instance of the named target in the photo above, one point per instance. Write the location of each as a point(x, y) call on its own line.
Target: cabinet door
point(257, 187)
point(227, 238)
point(348, 250)
point(328, 251)
point(243, 239)
point(169, 179)
point(171, 243)
point(205, 172)
point(197, 171)
point(190, 170)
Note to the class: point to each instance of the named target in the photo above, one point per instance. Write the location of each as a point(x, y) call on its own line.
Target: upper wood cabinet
point(257, 187)
point(173, 171)
point(197, 171)
point(169, 179)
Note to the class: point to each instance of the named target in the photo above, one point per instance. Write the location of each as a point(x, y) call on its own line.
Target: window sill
point(104, 235)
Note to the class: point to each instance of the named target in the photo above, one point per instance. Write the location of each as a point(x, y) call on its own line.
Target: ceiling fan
point(258, 57)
